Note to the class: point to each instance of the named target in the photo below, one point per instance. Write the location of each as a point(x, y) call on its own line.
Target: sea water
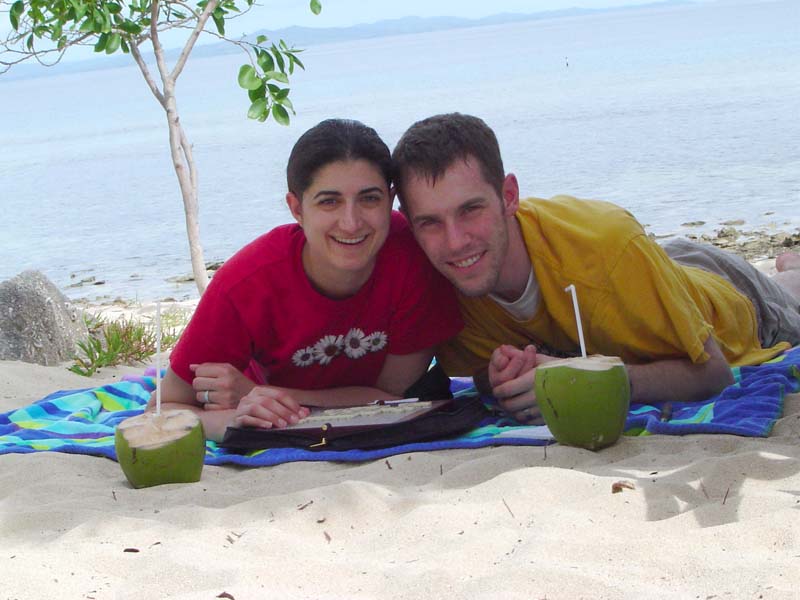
point(679, 114)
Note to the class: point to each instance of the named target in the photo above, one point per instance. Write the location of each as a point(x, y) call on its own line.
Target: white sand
point(711, 516)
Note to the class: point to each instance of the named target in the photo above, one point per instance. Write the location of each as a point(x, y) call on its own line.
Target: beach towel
point(83, 421)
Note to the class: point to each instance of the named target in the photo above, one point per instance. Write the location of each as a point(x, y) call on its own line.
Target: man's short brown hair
point(429, 147)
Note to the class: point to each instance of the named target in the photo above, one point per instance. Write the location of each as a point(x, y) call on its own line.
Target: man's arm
point(681, 380)
point(676, 380)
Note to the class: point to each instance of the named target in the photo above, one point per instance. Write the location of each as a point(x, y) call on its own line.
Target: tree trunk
point(183, 163)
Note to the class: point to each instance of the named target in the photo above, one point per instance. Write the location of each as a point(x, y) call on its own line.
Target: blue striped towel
point(83, 421)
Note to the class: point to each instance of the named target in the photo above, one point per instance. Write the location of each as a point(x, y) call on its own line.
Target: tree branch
point(151, 83)
point(198, 29)
point(158, 49)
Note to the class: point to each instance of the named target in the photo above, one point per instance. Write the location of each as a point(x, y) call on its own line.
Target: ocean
point(680, 114)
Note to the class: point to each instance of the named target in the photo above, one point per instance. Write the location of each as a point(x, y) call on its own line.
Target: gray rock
point(37, 323)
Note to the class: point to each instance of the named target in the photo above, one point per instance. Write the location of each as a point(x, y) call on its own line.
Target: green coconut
point(584, 400)
point(166, 448)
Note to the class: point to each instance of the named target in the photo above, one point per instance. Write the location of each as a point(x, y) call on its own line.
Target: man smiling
point(677, 324)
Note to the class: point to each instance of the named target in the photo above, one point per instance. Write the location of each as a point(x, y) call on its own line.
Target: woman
point(339, 309)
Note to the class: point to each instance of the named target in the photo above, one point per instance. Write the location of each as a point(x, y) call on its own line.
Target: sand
point(709, 516)
point(705, 516)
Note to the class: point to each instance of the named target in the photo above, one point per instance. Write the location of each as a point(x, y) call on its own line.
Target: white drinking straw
point(158, 358)
point(571, 288)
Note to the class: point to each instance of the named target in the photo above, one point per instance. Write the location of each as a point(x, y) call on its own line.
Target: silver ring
point(205, 397)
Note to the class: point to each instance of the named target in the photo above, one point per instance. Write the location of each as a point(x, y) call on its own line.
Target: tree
point(43, 30)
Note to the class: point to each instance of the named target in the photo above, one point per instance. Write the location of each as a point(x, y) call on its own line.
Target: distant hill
point(304, 37)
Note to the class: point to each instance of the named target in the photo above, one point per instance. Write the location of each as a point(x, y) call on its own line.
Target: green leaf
point(80, 10)
point(316, 7)
point(257, 108)
point(296, 61)
point(101, 42)
point(261, 39)
point(277, 76)
point(15, 13)
point(259, 92)
point(278, 58)
point(280, 115)
point(87, 25)
point(280, 94)
point(287, 103)
point(248, 78)
point(124, 45)
point(29, 42)
point(130, 27)
point(113, 43)
point(113, 8)
point(219, 20)
point(265, 61)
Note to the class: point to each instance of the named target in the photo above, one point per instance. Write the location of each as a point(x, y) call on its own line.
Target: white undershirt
point(524, 307)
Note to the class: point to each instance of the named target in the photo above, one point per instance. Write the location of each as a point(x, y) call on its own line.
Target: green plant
point(121, 342)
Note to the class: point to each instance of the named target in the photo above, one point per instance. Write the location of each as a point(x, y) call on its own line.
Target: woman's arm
point(263, 406)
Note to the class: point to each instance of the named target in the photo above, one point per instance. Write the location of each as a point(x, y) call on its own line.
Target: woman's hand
point(219, 385)
point(268, 407)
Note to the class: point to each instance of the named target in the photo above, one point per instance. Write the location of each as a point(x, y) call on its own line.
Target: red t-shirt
point(261, 306)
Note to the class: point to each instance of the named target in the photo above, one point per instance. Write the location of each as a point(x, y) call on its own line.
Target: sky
point(277, 14)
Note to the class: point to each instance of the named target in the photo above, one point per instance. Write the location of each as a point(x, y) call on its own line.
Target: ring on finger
point(206, 400)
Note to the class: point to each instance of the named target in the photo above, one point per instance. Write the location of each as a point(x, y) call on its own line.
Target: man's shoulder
point(570, 211)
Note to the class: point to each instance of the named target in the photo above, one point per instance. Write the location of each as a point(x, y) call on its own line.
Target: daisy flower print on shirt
point(328, 348)
point(377, 341)
point(355, 343)
point(303, 357)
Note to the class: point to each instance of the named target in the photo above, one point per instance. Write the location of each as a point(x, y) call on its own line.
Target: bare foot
point(788, 261)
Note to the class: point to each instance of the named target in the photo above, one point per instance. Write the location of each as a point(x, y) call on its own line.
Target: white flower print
point(355, 343)
point(377, 341)
point(327, 348)
point(303, 357)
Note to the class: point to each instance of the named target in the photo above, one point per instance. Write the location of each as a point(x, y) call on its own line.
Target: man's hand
point(219, 385)
point(509, 362)
point(511, 373)
point(268, 407)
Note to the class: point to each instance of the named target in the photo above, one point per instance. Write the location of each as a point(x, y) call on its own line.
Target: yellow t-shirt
point(635, 302)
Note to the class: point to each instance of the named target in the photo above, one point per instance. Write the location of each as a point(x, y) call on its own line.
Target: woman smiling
point(341, 308)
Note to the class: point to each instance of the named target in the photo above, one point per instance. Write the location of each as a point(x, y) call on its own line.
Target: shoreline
point(760, 247)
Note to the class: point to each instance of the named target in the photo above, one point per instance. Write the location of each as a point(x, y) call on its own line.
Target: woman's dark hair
point(330, 141)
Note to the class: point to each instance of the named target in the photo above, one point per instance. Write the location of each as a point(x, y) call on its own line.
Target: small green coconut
point(584, 400)
point(166, 448)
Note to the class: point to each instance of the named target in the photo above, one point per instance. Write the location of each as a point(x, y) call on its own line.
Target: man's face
point(462, 225)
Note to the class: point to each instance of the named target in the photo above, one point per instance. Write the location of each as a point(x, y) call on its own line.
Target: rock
point(693, 224)
point(37, 323)
point(730, 223)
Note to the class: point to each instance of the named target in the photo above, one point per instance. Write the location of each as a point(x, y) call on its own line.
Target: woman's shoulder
point(273, 250)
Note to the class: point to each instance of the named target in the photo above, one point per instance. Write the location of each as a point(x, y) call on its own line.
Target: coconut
point(584, 400)
point(165, 448)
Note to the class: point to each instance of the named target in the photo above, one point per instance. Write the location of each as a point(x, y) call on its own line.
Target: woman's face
point(345, 215)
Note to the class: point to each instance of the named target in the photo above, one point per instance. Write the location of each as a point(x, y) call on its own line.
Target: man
point(677, 327)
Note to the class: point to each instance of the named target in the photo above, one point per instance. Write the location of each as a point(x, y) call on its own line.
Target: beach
point(704, 516)
point(698, 516)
